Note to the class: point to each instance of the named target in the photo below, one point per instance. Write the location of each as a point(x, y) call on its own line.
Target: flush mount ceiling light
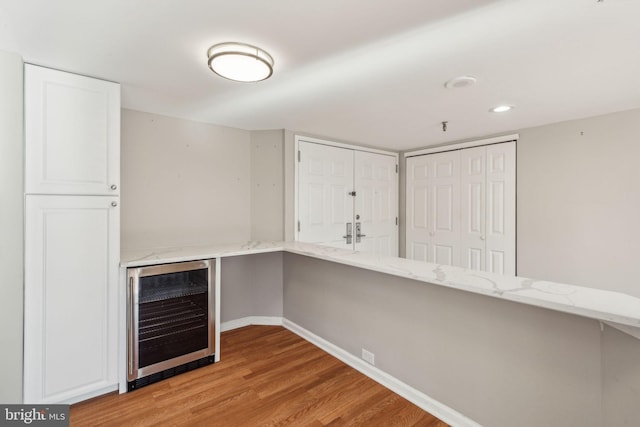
point(240, 62)
point(501, 109)
point(460, 82)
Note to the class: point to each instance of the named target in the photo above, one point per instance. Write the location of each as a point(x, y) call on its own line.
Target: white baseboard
point(443, 412)
point(251, 320)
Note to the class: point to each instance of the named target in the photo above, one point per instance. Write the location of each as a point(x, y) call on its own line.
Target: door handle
point(349, 235)
point(359, 234)
point(130, 327)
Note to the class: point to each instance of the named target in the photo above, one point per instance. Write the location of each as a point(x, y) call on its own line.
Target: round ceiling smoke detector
point(460, 82)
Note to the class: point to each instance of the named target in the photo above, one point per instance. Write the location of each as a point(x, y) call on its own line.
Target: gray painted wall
point(579, 202)
point(183, 183)
point(621, 378)
point(267, 185)
point(251, 285)
point(497, 362)
point(11, 226)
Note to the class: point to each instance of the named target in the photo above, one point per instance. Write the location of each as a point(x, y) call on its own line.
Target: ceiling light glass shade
point(240, 62)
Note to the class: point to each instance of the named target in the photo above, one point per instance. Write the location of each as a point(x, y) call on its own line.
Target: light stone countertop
point(614, 308)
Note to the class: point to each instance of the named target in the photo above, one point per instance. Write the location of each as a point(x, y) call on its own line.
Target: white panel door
point(418, 229)
point(488, 208)
point(72, 133)
point(325, 203)
point(376, 203)
point(445, 208)
point(473, 176)
point(500, 233)
point(71, 297)
point(433, 208)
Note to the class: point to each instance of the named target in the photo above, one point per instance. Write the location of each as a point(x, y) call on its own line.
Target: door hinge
point(396, 168)
point(352, 193)
point(299, 156)
point(396, 220)
point(298, 226)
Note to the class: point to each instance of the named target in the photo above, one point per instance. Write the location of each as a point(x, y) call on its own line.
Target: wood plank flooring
point(267, 376)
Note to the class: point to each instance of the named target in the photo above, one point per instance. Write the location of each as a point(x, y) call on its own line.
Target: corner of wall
point(267, 184)
point(620, 377)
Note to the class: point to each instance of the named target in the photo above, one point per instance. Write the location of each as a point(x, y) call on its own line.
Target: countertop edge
point(603, 305)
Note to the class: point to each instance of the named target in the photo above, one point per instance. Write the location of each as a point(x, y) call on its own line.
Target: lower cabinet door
point(71, 315)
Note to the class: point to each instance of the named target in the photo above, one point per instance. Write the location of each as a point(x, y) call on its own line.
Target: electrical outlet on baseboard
point(369, 357)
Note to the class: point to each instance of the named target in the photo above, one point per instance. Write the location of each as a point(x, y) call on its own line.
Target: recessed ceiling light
point(460, 82)
point(240, 62)
point(501, 109)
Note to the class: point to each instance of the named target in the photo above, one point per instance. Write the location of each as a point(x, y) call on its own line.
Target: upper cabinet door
point(72, 133)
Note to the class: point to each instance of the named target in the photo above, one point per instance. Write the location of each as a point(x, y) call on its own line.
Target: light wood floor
point(267, 376)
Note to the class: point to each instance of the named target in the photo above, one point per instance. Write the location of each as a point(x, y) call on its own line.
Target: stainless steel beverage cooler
point(170, 321)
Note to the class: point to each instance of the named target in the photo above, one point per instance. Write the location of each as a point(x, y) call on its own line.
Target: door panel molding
point(368, 187)
point(463, 200)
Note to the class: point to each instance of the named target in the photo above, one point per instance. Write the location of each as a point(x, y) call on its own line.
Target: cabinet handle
point(114, 204)
point(114, 187)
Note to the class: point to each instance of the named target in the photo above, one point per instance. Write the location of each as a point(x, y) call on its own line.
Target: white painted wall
point(11, 226)
point(184, 183)
point(579, 202)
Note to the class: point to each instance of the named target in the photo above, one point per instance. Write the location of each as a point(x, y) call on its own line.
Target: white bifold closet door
point(433, 208)
point(341, 191)
point(461, 208)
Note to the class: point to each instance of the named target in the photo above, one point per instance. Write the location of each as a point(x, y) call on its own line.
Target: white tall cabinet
point(461, 208)
point(72, 235)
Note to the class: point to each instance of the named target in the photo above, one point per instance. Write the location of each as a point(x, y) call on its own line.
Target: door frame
point(302, 138)
point(462, 145)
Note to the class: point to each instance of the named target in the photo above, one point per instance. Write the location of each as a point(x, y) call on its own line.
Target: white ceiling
point(365, 71)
